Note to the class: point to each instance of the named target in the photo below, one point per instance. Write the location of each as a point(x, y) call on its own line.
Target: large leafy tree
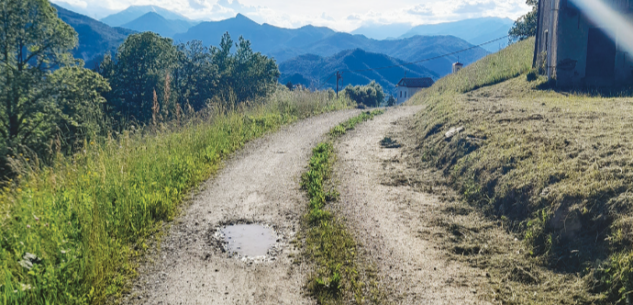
point(526, 25)
point(43, 90)
point(142, 69)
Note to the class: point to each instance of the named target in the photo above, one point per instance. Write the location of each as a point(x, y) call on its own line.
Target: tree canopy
point(43, 90)
point(526, 25)
point(370, 95)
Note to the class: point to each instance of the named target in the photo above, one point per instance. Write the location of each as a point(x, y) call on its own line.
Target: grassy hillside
point(553, 168)
point(70, 232)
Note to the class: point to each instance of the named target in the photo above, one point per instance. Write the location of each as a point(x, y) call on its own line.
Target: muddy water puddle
point(250, 240)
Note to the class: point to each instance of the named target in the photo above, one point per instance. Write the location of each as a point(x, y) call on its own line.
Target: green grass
point(85, 219)
point(553, 168)
point(328, 244)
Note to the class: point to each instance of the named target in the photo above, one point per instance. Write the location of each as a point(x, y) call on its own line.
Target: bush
point(371, 95)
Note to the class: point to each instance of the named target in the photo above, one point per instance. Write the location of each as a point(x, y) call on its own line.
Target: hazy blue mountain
point(95, 11)
point(475, 31)
point(264, 38)
point(285, 44)
point(134, 12)
point(409, 49)
point(95, 38)
point(383, 31)
point(153, 22)
point(313, 71)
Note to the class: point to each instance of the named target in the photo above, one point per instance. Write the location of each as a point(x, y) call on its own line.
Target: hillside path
point(260, 184)
point(384, 212)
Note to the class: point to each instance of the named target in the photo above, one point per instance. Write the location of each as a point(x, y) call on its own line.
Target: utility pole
point(338, 77)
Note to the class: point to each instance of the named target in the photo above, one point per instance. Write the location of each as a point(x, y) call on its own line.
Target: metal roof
point(422, 82)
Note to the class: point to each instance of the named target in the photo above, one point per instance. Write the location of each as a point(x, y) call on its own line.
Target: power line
point(417, 62)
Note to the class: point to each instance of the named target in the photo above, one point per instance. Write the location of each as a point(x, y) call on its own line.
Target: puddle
point(250, 240)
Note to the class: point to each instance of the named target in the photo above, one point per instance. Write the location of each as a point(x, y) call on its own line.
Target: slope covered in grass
point(553, 168)
point(70, 232)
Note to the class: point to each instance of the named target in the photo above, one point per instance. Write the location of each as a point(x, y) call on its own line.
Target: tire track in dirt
point(259, 184)
point(385, 217)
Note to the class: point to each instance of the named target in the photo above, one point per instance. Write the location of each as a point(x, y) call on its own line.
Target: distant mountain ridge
point(264, 38)
point(95, 38)
point(284, 44)
point(134, 12)
point(476, 31)
point(154, 22)
point(313, 71)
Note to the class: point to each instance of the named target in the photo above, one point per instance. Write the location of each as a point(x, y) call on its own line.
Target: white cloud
point(337, 14)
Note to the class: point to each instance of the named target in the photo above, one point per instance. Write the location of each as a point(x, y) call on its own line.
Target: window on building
point(400, 94)
point(405, 95)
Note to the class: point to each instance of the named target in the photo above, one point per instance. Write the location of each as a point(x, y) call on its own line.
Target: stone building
point(407, 87)
point(576, 51)
point(457, 66)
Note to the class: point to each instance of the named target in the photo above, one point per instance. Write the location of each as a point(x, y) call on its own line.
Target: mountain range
point(476, 31)
point(156, 23)
point(284, 44)
point(134, 12)
point(95, 38)
point(356, 65)
point(307, 55)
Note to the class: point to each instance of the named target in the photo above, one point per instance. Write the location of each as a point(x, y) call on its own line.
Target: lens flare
point(619, 27)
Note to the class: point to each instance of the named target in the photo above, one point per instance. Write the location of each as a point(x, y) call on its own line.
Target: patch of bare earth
point(259, 185)
point(392, 218)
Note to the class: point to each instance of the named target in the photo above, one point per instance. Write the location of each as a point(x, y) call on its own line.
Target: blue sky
point(342, 15)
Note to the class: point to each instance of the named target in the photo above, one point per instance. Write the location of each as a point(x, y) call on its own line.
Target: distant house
point(575, 51)
point(457, 66)
point(407, 87)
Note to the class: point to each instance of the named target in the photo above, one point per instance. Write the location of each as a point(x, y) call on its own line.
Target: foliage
point(328, 244)
point(44, 93)
point(187, 76)
point(143, 63)
point(526, 25)
point(84, 219)
point(370, 95)
point(391, 101)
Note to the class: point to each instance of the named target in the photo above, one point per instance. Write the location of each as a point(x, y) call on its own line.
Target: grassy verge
point(70, 231)
point(328, 244)
point(552, 168)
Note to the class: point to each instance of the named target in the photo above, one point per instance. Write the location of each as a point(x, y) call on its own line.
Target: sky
point(341, 15)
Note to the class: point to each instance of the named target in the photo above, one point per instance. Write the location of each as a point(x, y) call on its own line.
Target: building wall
point(565, 58)
point(404, 94)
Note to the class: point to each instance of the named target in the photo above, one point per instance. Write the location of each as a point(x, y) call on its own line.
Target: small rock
point(453, 131)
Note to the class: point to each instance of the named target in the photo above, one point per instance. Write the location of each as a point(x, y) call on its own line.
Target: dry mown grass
point(552, 168)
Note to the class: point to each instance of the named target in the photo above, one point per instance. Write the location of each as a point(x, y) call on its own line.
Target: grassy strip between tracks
point(328, 244)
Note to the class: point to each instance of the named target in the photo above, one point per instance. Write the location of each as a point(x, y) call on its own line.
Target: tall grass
point(70, 231)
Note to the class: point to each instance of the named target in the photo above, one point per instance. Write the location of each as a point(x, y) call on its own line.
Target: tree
point(391, 101)
point(41, 86)
point(371, 95)
point(196, 76)
point(289, 85)
point(144, 63)
point(526, 25)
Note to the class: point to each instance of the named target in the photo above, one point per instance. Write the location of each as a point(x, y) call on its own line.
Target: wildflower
point(92, 143)
point(27, 160)
point(28, 226)
point(19, 190)
point(36, 218)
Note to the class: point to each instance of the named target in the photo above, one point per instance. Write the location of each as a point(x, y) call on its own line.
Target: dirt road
point(385, 213)
point(260, 184)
